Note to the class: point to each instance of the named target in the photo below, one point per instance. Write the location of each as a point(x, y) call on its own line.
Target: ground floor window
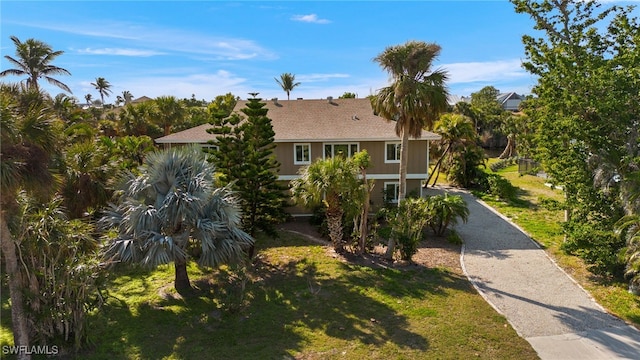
point(391, 191)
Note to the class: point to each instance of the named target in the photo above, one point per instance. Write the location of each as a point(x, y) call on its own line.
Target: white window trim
point(295, 160)
point(397, 183)
point(210, 146)
point(324, 155)
point(386, 159)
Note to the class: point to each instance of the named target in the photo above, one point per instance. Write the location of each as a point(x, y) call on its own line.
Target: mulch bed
point(434, 252)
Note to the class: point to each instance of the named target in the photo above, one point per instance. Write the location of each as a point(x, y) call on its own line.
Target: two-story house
point(306, 130)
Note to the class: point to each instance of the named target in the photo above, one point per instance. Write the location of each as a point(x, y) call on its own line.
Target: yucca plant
point(173, 212)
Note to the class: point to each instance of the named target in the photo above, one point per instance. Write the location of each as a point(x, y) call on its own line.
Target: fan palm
point(103, 87)
point(33, 59)
point(168, 209)
point(414, 100)
point(287, 82)
point(328, 182)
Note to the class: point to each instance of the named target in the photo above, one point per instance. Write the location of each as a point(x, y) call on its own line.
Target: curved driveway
point(542, 302)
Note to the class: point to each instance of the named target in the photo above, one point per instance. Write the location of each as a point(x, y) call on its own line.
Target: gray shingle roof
point(313, 120)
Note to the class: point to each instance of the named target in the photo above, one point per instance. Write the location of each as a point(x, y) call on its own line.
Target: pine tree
point(245, 158)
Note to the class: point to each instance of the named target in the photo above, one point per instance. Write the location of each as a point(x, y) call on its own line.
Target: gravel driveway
point(543, 303)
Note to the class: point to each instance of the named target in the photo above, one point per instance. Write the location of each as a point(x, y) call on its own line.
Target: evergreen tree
point(245, 158)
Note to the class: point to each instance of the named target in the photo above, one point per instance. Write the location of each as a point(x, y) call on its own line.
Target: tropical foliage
point(331, 182)
point(103, 87)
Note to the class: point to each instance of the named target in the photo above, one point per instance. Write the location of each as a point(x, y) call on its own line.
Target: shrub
point(496, 185)
point(600, 248)
point(444, 211)
point(407, 225)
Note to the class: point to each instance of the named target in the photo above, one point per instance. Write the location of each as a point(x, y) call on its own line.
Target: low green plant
point(443, 211)
point(498, 186)
point(407, 225)
point(454, 238)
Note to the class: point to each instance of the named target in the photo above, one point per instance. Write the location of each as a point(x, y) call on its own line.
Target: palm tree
point(445, 210)
point(173, 211)
point(127, 96)
point(88, 98)
point(170, 113)
point(287, 82)
point(328, 182)
point(103, 87)
point(455, 130)
point(28, 142)
point(33, 59)
point(414, 99)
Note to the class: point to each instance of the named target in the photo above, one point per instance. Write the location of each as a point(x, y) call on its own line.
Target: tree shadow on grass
point(287, 307)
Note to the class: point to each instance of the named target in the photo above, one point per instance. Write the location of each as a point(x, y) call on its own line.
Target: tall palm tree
point(169, 208)
point(88, 98)
point(327, 182)
point(416, 96)
point(170, 113)
point(287, 82)
point(414, 100)
point(28, 142)
point(103, 87)
point(33, 59)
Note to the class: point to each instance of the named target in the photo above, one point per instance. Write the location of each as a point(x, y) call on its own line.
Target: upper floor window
point(301, 154)
point(344, 149)
point(392, 152)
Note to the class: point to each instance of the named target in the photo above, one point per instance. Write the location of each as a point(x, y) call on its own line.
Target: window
point(391, 191)
point(345, 149)
point(301, 154)
point(210, 147)
point(392, 152)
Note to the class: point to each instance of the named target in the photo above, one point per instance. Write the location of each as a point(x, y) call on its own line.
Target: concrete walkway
point(542, 302)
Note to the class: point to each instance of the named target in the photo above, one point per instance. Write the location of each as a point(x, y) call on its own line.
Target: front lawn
point(300, 301)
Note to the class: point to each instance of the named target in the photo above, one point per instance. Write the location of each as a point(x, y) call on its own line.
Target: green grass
point(544, 225)
point(300, 302)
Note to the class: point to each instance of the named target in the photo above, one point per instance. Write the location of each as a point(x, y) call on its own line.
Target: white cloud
point(119, 52)
point(167, 39)
point(490, 71)
point(311, 18)
point(319, 77)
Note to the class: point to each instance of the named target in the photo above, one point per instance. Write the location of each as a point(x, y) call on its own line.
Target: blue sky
point(208, 48)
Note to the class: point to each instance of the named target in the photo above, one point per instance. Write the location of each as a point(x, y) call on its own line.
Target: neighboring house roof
point(313, 121)
point(141, 99)
point(510, 101)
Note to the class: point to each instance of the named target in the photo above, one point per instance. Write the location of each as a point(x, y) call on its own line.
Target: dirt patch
point(434, 252)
